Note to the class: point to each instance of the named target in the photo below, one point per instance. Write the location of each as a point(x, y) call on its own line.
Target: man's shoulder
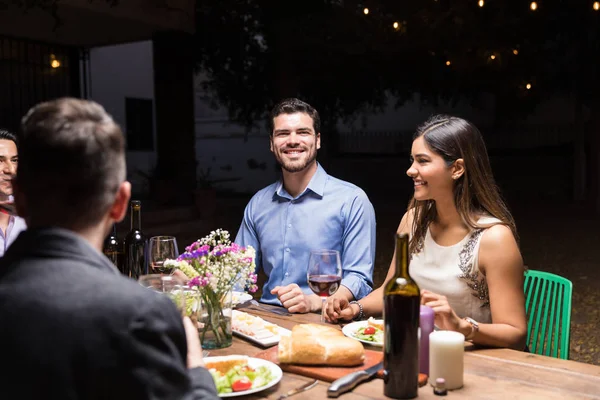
point(338, 187)
point(67, 281)
point(265, 194)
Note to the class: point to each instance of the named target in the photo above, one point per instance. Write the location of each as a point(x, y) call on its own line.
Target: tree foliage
point(335, 56)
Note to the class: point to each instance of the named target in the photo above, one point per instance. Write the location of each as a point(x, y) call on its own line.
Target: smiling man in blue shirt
point(307, 210)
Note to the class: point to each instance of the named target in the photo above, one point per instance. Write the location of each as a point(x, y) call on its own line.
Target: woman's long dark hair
point(475, 192)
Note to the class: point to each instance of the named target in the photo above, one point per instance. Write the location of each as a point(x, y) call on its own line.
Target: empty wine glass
point(324, 274)
point(161, 248)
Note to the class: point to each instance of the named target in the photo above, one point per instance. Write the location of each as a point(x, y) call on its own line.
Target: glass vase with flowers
point(214, 265)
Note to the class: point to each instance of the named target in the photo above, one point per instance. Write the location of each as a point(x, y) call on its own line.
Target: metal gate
point(31, 72)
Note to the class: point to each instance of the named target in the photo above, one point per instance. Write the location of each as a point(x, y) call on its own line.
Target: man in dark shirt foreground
point(71, 326)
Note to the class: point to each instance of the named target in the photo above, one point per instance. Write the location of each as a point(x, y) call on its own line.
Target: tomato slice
point(369, 330)
point(241, 384)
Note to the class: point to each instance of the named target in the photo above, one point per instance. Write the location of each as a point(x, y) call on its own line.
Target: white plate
point(266, 341)
point(350, 331)
point(240, 297)
point(256, 332)
point(254, 363)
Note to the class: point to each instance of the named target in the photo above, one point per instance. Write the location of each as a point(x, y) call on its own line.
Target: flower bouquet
point(214, 265)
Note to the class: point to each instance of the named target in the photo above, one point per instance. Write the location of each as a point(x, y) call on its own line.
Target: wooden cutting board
point(323, 373)
point(327, 373)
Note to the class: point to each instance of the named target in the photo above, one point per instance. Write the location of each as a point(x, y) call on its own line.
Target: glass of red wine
point(161, 248)
point(324, 274)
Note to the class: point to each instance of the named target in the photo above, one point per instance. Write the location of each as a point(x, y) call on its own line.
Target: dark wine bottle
point(136, 244)
point(113, 249)
point(401, 318)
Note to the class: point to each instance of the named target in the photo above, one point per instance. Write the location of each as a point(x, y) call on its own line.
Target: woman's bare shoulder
point(499, 247)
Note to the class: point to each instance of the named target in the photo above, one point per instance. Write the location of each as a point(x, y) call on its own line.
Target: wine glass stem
point(323, 305)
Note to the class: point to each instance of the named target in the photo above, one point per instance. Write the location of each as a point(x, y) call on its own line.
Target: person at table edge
point(307, 210)
point(72, 326)
point(463, 247)
point(10, 225)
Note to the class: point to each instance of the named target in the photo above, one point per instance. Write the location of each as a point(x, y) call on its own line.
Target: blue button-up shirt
point(15, 226)
point(328, 214)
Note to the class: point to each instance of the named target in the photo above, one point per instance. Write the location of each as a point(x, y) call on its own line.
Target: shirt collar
point(316, 185)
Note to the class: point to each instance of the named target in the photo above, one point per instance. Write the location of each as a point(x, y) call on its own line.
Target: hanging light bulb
point(515, 52)
point(533, 6)
point(596, 5)
point(493, 57)
point(481, 3)
point(54, 62)
point(528, 86)
point(396, 25)
point(366, 11)
point(448, 63)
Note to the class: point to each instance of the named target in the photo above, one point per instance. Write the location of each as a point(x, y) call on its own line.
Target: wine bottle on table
point(113, 249)
point(136, 244)
point(401, 318)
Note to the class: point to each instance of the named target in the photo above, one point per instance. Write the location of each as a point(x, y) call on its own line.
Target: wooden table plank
point(489, 373)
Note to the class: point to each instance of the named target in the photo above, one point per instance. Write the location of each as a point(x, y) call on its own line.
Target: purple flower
point(195, 281)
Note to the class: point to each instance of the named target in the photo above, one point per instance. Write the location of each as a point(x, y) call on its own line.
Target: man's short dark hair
point(5, 134)
point(71, 162)
point(291, 106)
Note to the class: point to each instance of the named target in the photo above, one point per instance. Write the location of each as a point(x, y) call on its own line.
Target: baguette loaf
point(314, 344)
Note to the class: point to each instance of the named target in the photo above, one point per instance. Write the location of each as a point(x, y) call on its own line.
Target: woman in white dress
point(463, 245)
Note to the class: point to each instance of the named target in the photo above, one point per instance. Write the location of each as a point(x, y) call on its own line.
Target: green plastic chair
point(548, 308)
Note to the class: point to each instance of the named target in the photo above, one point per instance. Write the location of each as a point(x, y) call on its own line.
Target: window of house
point(139, 124)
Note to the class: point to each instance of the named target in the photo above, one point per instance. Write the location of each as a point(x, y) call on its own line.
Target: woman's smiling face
point(431, 175)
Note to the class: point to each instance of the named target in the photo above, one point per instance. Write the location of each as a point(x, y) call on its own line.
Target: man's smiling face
point(294, 141)
point(8, 166)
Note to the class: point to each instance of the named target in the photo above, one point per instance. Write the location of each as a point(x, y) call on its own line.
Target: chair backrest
point(548, 308)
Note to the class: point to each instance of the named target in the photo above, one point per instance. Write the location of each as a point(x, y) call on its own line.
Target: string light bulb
point(528, 86)
point(54, 63)
point(515, 52)
point(596, 5)
point(533, 6)
point(396, 25)
point(366, 11)
point(448, 63)
point(493, 57)
point(481, 3)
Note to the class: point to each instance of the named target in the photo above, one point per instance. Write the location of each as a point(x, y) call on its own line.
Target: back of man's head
point(71, 163)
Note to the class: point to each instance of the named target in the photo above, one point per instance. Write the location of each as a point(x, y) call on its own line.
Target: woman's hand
point(445, 317)
point(339, 308)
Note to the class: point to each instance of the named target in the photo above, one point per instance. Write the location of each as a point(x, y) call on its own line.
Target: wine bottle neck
point(402, 256)
point(136, 216)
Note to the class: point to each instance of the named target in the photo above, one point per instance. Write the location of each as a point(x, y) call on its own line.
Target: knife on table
point(349, 382)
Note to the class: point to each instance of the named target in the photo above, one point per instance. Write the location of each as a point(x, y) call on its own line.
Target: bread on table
point(375, 323)
point(314, 344)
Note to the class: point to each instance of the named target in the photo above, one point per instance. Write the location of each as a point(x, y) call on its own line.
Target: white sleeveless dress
point(453, 271)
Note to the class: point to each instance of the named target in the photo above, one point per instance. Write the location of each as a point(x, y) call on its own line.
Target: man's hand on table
point(292, 298)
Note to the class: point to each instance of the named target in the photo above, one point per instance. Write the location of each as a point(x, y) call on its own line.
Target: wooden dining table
point(488, 373)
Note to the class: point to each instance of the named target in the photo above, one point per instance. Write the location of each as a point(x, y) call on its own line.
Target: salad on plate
point(233, 375)
point(371, 332)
